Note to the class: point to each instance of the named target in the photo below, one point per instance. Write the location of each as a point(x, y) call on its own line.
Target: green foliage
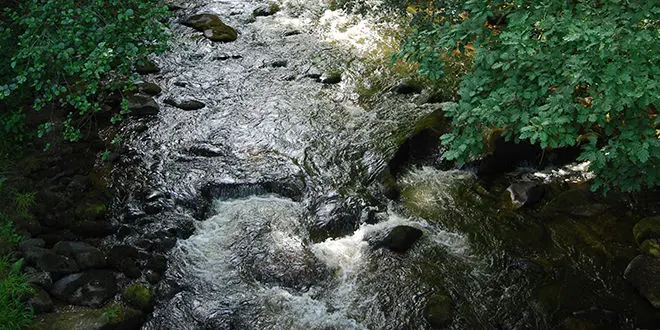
point(112, 313)
point(554, 73)
point(7, 230)
point(14, 287)
point(74, 54)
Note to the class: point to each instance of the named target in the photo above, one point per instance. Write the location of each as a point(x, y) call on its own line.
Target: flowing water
point(275, 155)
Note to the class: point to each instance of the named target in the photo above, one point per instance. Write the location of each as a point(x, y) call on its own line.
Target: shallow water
point(275, 153)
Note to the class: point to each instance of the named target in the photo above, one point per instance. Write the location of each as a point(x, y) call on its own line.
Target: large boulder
point(212, 27)
point(398, 239)
point(48, 261)
point(643, 272)
point(91, 288)
point(142, 105)
point(85, 255)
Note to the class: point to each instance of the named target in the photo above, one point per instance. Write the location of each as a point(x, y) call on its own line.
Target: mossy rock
point(91, 211)
point(145, 66)
point(139, 296)
point(113, 316)
point(212, 27)
point(651, 247)
point(439, 311)
point(647, 228)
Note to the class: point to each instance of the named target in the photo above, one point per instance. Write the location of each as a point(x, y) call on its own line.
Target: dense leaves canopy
point(555, 73)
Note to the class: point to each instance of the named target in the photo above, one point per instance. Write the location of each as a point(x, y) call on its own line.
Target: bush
point(73, 54)
point(554, 73)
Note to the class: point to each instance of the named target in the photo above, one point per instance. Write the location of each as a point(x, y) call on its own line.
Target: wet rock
point(158, 263)
point(330, 78)
point(148, 88)
point(85, 255)
point(525, 193)
point(408, 87)
point(92, 288)
point(212, 27)
point(152, 277)
point(292, 33)
point(164, 244)
point(266, 10)
point(647, 228)
point(38, 278)
point(146, 67)
point(180, 83)
point(142, 105)
point(40, 301)
point(651, 247)
point(398, 239)
point(335, 217)
point(279, 63)
point(113, 316)
point(643, 272)
point(185, 104)
point(120, 252)
point(291, 266)
point(140, 297)
point(48, 261)
point(439, 311)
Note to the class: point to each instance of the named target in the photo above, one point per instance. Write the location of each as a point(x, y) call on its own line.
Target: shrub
point(14, 287)
point(554, 73)
point(73, 54)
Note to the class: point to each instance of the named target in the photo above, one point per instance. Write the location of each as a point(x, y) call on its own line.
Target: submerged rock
point(92, 288)
point(643, 272)
point(212, 27)
point(185, 104)
point(398, 239)
point(142, 105)
point(525, 193)
point(439, 311)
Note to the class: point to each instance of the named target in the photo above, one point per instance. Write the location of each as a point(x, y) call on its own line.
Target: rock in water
point(525, 193)
point(212, 27)
point(142, 105)
point(644, 274)
point(186, 104)
point(148, 88)
point(91, 288)
point(398, 239)
point(266, 10)
point(330, 78)
point(146, 66)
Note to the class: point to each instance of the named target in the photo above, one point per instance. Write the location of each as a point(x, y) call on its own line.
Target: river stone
point(212, 27)
point(651, 247)
point(38, 278)
point(84, 254)
point(40, 301)
point(643, 272)
point(647, 228)
point(525, 193)
point(185, 104)
point(398, 239)
point(91, 288)
point(266, 10)
point(142, 105)
point(48, 261)
point(330, 78)
point(146, 67)
point(148, 88)
point(439, 311)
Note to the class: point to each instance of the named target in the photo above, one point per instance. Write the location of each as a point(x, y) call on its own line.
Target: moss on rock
point(647, 228)
point(139, 296)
